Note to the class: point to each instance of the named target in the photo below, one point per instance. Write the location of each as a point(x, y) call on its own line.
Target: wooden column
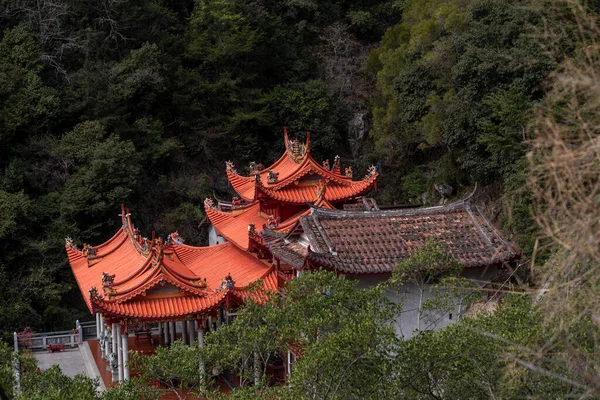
point(190, 328)
point(160, 333)
point(173, 329)
point(167, 335)
point(184, 332)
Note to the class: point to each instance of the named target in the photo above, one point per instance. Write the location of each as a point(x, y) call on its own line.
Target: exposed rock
point(444, 189)
point(357, 129)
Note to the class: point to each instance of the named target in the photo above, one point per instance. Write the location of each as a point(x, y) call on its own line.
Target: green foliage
point(414, 185)
point(457, 80)
point(13, 208)
point(308, 107)
point(340, 332)
point(52, 384)
point(105, 173)
point(432, 265)
point(518, 219)
point(175, 368)
point(141, 102)
point(27, 104)
point(133, 389)
point(475, 358)
point(220, 33)
point(7, 377)
point(425, 265)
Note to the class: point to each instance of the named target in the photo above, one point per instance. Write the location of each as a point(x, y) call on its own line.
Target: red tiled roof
point(139, 265)
point(157, 308)
point(161, 307)
point(305, 192)
point(375, 241)
point(292, 185)
point(233, 226)
point(216, 262)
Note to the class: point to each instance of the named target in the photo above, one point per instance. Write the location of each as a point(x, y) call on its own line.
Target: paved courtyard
point(72, 361)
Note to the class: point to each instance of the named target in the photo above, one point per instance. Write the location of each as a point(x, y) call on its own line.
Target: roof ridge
point(324, 212)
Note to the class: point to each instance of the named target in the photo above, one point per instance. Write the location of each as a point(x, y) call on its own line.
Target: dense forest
point(142, 101)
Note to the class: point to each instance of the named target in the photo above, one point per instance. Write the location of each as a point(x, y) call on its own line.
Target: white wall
point(213, 237)
point(407, 322)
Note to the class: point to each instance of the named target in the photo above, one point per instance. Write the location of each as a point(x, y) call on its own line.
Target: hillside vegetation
point(141, 102)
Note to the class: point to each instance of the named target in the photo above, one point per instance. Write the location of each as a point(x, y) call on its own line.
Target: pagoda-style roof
point(293, 177)
point(368, 242)
point(235, 225)
point(134, 277)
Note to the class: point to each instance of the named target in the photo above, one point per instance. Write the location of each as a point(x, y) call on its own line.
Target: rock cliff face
point(357, 130)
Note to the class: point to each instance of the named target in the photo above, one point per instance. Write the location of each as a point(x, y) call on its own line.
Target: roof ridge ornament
point(208, 202)
point(174, 237)
point(272, 177)
point(336, 168)
point(321, 189)
point(227, 283)
point(107, 284)
point(88, 251)
point(230, 167)
point(255, 168)
point(372, 171)
point(94, 294)
point(157, 244)
point(296, 150)
point(71, 243)
point(272, 222)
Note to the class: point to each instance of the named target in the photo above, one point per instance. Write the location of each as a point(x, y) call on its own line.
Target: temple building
point(294, 216)
point(131, 280)
point(367, 245)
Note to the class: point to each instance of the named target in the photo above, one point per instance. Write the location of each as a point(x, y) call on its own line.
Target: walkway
point(72, 361)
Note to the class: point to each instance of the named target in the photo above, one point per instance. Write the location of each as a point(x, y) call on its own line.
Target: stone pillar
point(120, 354)
point(289, 364)
point(107, 344)
point(201, 344)
point(98, 326)
point(173, 330)
point(210, 323)
point(219, 317)
point(114, 361)
point(16, 364)
point(184, 332)
point(125, 349)
point(79, 330)
point(167, 336)
point(190, 328)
